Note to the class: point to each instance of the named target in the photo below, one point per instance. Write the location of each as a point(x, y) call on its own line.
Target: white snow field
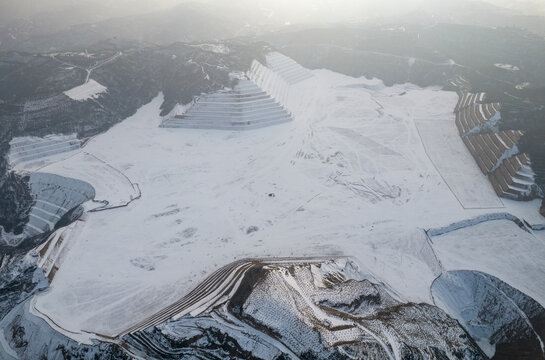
point(348, 177)
point(90, 90)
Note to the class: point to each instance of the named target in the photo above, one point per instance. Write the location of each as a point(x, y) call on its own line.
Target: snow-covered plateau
point(362, 171)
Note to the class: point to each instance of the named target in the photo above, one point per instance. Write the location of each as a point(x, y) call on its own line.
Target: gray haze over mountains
point(57, 25)
point(80, 11)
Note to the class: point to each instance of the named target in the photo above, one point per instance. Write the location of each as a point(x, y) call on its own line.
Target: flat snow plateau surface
point(453, 160)
point(349, 176)
point(90, 90)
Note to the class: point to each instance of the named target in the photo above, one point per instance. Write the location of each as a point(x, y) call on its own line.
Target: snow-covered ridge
point(90, 90)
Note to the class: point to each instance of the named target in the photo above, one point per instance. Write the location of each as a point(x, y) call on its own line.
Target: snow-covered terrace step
point(39, 222)
point(253, 117)
point(224, 120)
point(512, 179)
point(489, 150)
point(296, 77)
point(219, 103)
point(287, 68)
point(230, 111)
point(17, 154)
point(230, 126)
point(235, 97)
point(54, 197)
point(281, 63)
point(238, 121)
point(43, 213)
point(31, 148)
point(49, 206)
point(39, 155)
point(246, 86)
point(250, 111)
point(18, 143)
point(473, 116)
point(241, 88)
point(44, 148)
point(237, 104)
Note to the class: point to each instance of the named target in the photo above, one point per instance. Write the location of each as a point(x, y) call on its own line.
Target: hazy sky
point(293, 9)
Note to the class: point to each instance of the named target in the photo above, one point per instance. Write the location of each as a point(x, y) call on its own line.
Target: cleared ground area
point(456, 165)
point(348, 176)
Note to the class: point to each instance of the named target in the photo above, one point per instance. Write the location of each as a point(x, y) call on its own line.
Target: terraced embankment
point(496, 152)
point(245, 107)
point(28, 149)
point(219, 284)
point(55, 196)
point(257, 100)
